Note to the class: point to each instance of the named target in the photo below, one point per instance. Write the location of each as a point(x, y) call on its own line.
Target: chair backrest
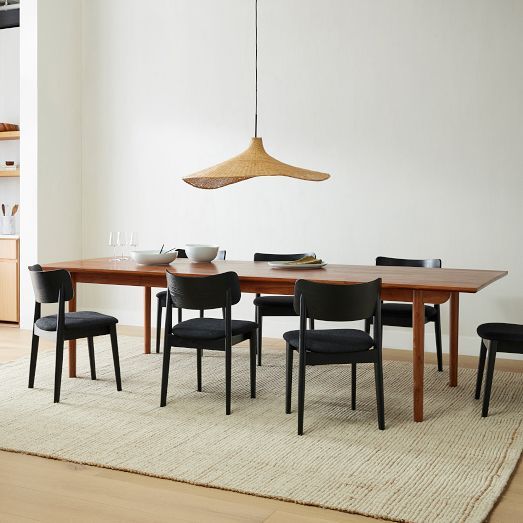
point(331, 302)
point(183, 254)
point(401, 262)
point(47, 284)
point(201, 293)
point(264, 256)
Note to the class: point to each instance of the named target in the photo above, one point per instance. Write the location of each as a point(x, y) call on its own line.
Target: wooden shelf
point(10, 135)
point(10, 173)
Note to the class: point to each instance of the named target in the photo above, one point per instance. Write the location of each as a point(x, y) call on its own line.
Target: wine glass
point(120, 240)
point(133, 240)
point(113, 242)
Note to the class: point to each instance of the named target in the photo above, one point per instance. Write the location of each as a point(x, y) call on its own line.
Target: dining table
point(416, 285)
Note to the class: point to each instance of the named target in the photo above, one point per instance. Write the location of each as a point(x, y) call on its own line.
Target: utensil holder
point(7, 225)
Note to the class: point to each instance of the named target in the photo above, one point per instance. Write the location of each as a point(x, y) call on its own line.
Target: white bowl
point(201, 253)
point(153, 257)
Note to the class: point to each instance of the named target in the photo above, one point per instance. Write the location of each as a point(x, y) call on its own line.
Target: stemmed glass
point(133, 240)
point(113, 242)
point(120, 238)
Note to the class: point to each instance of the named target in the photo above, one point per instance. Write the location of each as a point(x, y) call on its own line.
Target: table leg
point(454, 331)
point(418, 355)
point(147, 320)
point(72, 343)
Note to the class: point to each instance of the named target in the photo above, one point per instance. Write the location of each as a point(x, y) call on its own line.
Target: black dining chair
point(162, 300)
point(400, 314)
point(274, 305)
point(324, 301)
point(203, 293)
point(56, 287)
point(495, 337)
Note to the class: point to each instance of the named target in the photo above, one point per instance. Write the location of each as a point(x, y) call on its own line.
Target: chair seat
point(82, 320)
point(400, 314)
point(275, 305)
point(210, 328)
point(331, 340)
point(501, 332)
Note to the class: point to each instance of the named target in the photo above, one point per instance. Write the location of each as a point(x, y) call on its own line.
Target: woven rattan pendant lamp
point(252, 162)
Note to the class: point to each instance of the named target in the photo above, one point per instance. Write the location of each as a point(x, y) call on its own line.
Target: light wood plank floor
point(38, 489)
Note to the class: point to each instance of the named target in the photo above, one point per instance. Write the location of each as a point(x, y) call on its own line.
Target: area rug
point(451, 467)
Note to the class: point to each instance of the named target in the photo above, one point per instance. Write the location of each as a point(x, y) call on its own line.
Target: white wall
point(60, 131)
point(28, 155)
point(10, 109)
point(414, 107)
point(51, 137)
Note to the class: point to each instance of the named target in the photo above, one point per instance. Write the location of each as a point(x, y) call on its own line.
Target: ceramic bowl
point(201, 253)
point(153, 257)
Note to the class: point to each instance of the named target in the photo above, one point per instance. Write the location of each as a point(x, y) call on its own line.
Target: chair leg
point(252, 363)
point(301, 394)
point(92, 363)
point(311, 324)
point(288, 378)
point(34, 355)
point(353, 387)
point(481, 368)
point(199, 368)
point(367, 325)
point(490, 374)
point(228, 357)
point(165, 374)
point(158, 325)
point(116, 358)
point(439, 350)
point(180, 316)
point(259, 320)
point(201, 313)
point(378, 375)
point(58, 368)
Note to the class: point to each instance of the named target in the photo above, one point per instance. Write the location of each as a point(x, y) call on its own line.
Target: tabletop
point(417, 278)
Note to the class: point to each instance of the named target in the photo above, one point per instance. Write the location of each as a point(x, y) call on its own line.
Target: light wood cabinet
point(9, 280)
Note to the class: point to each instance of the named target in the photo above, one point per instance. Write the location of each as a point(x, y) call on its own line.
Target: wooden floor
point(38, 489)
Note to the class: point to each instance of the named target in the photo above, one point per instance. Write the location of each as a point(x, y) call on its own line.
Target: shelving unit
point(5, 173)
point(9, 135)
point(9, 257)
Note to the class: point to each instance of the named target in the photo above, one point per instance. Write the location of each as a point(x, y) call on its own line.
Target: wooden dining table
point(416, 285)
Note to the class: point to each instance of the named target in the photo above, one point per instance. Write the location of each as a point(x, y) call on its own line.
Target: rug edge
point(204, 485)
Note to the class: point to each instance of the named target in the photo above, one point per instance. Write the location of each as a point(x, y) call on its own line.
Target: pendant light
point(252, 162)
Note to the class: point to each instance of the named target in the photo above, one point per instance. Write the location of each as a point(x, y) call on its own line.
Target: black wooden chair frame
point(181, 254)
point(224, 344)
point(61, 334)
point(428, 263)
point(373, 355)
point(260, 256)
point(494, 346)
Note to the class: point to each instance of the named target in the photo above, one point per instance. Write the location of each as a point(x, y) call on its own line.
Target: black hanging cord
point(256, 68)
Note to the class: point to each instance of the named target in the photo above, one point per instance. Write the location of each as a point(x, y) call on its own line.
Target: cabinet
point(9, 279)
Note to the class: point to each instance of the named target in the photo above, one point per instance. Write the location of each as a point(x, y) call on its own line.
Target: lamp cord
point(256, 68)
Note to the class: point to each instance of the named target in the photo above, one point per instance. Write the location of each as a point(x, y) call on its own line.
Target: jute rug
point(452, 467)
